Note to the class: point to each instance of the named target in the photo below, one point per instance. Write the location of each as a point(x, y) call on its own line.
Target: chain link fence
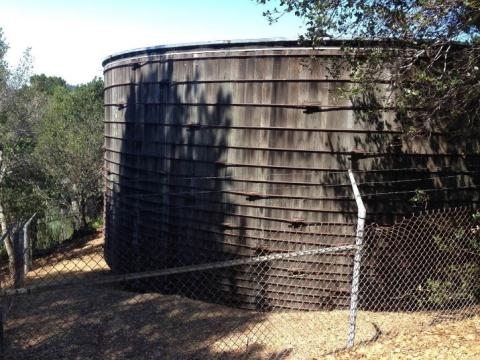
point(283, 294)
point(259, 307)
point(428, 263)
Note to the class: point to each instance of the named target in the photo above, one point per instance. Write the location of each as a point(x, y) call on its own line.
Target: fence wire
point(281, 293)
point(429, 261)
point(266, 306)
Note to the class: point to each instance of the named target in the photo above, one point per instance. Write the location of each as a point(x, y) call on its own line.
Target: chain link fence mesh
point(288, 301)
point(426, 265)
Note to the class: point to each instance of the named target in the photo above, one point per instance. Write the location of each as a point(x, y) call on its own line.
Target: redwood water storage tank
point(227, 150)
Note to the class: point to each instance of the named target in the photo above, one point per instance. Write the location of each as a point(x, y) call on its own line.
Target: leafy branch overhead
point(427, 52)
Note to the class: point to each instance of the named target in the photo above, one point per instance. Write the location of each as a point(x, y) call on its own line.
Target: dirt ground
point(448, 340)
point(108, 322)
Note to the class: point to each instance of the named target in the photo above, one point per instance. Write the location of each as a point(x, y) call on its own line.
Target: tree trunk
point(14, 253)
point(15, 276)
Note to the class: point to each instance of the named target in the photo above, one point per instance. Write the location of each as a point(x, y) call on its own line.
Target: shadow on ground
point(114, 324)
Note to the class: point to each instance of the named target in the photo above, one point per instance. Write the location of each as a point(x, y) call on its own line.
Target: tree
point(20, 109)
point(46, 84)
point(427, 52)
point(69, 148)
point(425, 56)
point(50, 147)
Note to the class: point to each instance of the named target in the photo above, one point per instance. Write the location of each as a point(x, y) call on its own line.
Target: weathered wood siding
point(244, 119)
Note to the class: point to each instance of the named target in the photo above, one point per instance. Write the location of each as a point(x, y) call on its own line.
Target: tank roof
point(206, 45)
point(259, 43)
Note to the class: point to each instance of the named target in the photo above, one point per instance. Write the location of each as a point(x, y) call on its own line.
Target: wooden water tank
point(228, 150)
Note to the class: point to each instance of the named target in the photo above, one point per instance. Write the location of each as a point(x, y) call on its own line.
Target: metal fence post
point(361, 213)
point(18, 258)
point(27, 246)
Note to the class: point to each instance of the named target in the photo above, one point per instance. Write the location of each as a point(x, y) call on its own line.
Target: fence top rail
point(107, 279)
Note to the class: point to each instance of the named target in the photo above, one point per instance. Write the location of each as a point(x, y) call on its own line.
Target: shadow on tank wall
point(169, 210)
point(437, 170)
point(401, 172)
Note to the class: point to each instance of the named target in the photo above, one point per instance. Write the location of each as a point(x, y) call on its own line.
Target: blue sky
point(70, 38)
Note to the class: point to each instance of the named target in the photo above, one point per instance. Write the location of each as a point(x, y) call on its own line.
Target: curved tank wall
point(225, 150)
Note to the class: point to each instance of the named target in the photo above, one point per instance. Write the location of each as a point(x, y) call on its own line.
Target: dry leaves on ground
point(448, 340)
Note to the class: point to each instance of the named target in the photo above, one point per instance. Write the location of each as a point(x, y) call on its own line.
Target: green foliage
point(52, 230)
point(50, 151)
point(420, 197)
point(69, 147)
point(46, 84)
point(476, 216)
point(381, 19)
point(20, 110)
point(97, 223)
point(459, 282)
